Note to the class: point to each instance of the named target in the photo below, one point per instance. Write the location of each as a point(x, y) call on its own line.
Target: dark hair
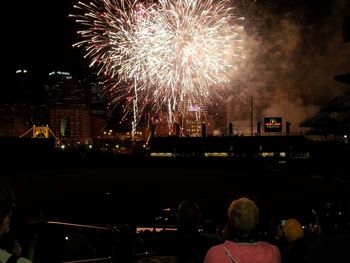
point(188, 213)
point(7, 199)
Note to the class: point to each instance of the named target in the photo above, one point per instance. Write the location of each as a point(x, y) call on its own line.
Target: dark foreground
point(134, 190)
point(126, 192)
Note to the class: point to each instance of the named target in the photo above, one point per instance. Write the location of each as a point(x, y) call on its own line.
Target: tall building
point(193, 117)
point(23, 90)
point(29, 98)
point(69, 108)
point(98, 106)
point(63, 89)
point(71, 124)
point(217, 118)
point(240, 114)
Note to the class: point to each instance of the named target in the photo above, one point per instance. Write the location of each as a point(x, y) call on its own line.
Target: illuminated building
point(188, 121)
point(193, 117)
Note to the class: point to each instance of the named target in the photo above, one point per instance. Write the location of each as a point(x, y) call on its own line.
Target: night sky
point(39, 34)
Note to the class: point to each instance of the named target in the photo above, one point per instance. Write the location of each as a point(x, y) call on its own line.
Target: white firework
point(161, 53)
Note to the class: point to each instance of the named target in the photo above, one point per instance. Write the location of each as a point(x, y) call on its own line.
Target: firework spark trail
point(164, 52)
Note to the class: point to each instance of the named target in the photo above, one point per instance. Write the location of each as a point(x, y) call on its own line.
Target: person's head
point(6, 205)
point(243, 218)
point(331, 219)
point(292, 230)
point(188, 214)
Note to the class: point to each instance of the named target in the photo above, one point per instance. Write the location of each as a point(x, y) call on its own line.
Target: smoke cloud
point(293, 52)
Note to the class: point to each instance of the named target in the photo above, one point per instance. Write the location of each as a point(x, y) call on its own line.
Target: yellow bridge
point(40, 132)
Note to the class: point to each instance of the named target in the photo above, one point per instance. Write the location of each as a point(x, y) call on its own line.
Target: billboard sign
point(273, 124)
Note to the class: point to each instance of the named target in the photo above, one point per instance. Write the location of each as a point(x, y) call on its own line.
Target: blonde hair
point(293, 230)
point(243, 216)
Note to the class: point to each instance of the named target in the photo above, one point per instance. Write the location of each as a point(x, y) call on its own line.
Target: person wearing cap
point(6, 207)
point(240, 244)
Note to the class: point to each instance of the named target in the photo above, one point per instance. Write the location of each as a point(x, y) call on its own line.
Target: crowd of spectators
point(243, 239)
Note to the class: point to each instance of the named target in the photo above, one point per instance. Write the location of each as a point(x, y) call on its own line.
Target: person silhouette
point(191, 244)
point(6, 208)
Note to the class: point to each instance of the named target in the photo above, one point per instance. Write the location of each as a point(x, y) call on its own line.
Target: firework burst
point(161, 53)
